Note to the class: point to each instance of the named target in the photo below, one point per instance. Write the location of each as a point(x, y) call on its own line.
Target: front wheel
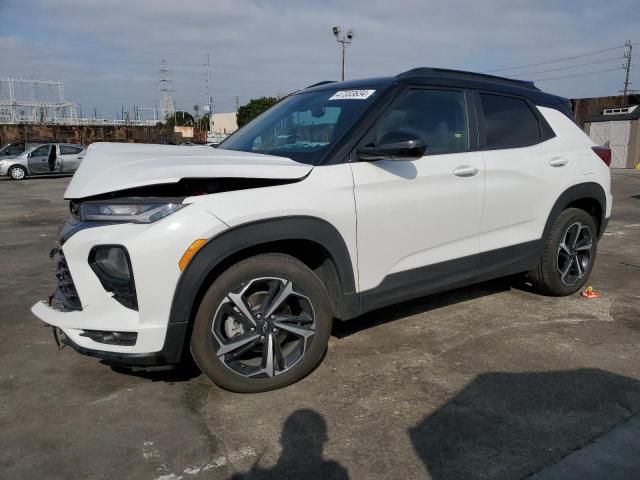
point(263, 324)
point(17, 172)
point(569, 254)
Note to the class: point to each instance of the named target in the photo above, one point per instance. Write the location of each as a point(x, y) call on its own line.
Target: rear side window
point(67, 150)
point(508, 122)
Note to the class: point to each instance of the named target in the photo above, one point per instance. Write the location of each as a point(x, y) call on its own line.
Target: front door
point(39, 160)
point(414, 214)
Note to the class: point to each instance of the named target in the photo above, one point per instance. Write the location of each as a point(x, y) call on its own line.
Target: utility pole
point(209, 106)
point(344, 40)
point(627, 67)
point(237, 102)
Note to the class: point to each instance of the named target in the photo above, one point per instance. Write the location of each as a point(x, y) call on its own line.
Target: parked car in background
point(16, 148)
point(43, 159)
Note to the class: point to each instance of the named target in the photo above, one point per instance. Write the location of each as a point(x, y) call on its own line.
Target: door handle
point(465, 171)
point(558, 162)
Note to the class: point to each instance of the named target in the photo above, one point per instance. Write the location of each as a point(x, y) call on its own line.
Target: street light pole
point(344, 40)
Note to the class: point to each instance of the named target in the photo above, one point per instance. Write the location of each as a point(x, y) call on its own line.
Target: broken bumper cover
point(99, 325)
point(171, 352)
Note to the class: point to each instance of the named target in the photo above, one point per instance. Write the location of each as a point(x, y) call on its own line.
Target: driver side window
point(438, 117)
point(40, 151)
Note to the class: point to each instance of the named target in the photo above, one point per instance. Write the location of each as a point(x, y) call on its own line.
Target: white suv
point(342, 198)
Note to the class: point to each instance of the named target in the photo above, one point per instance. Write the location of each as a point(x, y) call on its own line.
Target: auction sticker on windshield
point(352, 94)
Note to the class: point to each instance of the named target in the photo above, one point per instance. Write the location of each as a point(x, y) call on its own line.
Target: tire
point(566, 263)
point(17, 172)
point(282, 334)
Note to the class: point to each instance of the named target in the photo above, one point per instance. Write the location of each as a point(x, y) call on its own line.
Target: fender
point(590, 190)
point(252, 234)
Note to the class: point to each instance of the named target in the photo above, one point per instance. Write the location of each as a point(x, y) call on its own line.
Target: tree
point(255, 107)
point(180, 119)
point(203, 122)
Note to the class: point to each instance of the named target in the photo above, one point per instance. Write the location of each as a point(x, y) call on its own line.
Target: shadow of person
point(303, 437)
point(511, 425)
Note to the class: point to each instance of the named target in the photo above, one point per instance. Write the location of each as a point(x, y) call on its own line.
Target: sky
point(109, 52)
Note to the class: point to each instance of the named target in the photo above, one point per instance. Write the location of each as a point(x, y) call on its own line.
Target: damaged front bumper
point(93, 322)
point(82, 341)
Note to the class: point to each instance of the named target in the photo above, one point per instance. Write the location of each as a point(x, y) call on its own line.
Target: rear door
point(39, 160)
point(413, 214)
point(527, 169)
point(70, 157)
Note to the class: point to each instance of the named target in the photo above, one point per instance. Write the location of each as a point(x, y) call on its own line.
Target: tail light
point(604, 153)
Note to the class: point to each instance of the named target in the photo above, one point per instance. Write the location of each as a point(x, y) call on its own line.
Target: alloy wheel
point(263, 328)
point(574, 253)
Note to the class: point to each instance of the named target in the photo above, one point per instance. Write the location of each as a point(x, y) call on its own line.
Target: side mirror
point(394, 146)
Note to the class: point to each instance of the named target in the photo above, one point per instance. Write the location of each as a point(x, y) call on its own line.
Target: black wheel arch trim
point(581, 191)
point(253, 234)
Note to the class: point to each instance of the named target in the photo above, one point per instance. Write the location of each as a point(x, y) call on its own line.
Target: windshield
point(304, 126)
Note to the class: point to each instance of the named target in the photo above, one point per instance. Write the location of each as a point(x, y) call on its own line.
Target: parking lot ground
point(491, 381)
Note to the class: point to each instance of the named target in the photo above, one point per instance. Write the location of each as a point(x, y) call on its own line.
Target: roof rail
point(444, 72)
point(324, 82)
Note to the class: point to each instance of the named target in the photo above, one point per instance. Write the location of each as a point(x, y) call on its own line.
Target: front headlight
point(3, 163)
point(127, 212)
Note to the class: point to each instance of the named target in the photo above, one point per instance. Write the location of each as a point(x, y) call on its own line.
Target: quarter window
point(508, 122)
point(438, 117)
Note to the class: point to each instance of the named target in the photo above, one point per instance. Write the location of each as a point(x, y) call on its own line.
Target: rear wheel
point(263, 324)
point(569, 254)
point(17, 172)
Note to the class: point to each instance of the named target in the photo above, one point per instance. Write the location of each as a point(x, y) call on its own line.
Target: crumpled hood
point(110, 167)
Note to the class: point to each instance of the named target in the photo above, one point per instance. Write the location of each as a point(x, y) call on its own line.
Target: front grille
point(65, 298)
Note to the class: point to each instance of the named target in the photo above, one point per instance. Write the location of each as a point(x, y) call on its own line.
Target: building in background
point(619, 128)
point(225, 123)
point(585, 108)
point(612, 121)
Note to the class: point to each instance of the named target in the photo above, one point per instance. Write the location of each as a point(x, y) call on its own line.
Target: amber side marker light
point(190, 252)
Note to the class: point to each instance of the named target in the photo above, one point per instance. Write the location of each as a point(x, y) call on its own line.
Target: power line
point(556, 60)
point(567, 67)
point(579, 74)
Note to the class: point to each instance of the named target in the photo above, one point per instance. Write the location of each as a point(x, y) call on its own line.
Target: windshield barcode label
point(352, 95)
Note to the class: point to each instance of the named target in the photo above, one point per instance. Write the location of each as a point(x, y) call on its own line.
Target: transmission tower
point(167, 108)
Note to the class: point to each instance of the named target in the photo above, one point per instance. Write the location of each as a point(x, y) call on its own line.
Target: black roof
point(451, 78)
